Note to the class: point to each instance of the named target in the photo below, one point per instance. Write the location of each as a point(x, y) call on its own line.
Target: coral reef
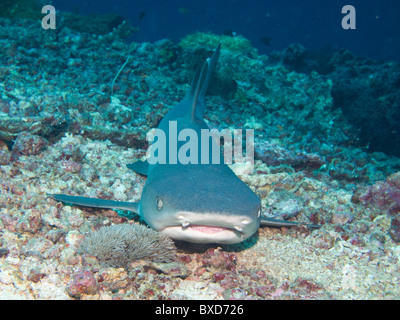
point(59, 134)
point(370, 100)
point(384, 195)
point(97, 24)
point(211, 41)
point(366, 91)
point(294, 56)
point(15, 9)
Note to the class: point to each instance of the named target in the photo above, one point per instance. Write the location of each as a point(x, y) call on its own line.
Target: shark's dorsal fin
point(199, 86)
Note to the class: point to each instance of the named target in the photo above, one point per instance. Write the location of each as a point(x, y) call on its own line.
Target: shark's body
point(201, 203)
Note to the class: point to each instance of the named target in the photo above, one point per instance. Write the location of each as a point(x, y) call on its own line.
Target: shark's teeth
point(185, 224)
point(238, 228)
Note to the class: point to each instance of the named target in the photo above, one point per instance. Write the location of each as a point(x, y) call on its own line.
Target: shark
point(193, 202)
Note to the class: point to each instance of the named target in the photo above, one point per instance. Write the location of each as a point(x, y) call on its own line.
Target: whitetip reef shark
point(199, 203)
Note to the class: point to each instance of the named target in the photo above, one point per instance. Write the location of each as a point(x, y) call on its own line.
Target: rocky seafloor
point(62, 131)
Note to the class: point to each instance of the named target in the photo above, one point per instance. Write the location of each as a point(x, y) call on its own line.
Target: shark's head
point(200, 203)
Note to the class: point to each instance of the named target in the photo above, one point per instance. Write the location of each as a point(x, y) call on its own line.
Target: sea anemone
point(119, 245)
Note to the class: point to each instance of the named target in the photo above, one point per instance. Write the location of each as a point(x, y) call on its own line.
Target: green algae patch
point(209, 40)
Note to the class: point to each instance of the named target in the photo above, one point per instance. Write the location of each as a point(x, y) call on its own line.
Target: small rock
point(394, 230)
point(341, 217)
point(5, 157)
point(71, 166)
point(234, 294)
point(68, 255)
point(83, 282)
point(74, 238)
point(35, 276)
point(306, 287)
point(35, 221)
point(4, 252)
point(323, 240)
point(54, 235)
point(218, 276)
point(175, 269)
point(29, 144)
point(112, 279)
point(219, 259)
point(37, 246)
point(284, 204)
point(384, 195)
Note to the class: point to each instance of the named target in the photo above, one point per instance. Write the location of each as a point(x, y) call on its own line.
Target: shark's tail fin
point(199, 85)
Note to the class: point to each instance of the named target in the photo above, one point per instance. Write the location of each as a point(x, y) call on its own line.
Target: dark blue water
point(313, 23)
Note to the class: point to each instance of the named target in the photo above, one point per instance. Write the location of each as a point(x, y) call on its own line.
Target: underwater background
point(77, 101)
point(269, 25)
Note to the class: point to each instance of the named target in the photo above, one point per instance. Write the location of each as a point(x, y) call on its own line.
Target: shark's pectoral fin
point(97, 203)
point(282, 223)
point(141, 167)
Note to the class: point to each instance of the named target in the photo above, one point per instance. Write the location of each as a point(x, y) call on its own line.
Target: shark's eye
point(159, 203)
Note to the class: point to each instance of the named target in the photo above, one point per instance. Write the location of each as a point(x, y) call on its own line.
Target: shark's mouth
point(208, 229)
point(204, 234)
